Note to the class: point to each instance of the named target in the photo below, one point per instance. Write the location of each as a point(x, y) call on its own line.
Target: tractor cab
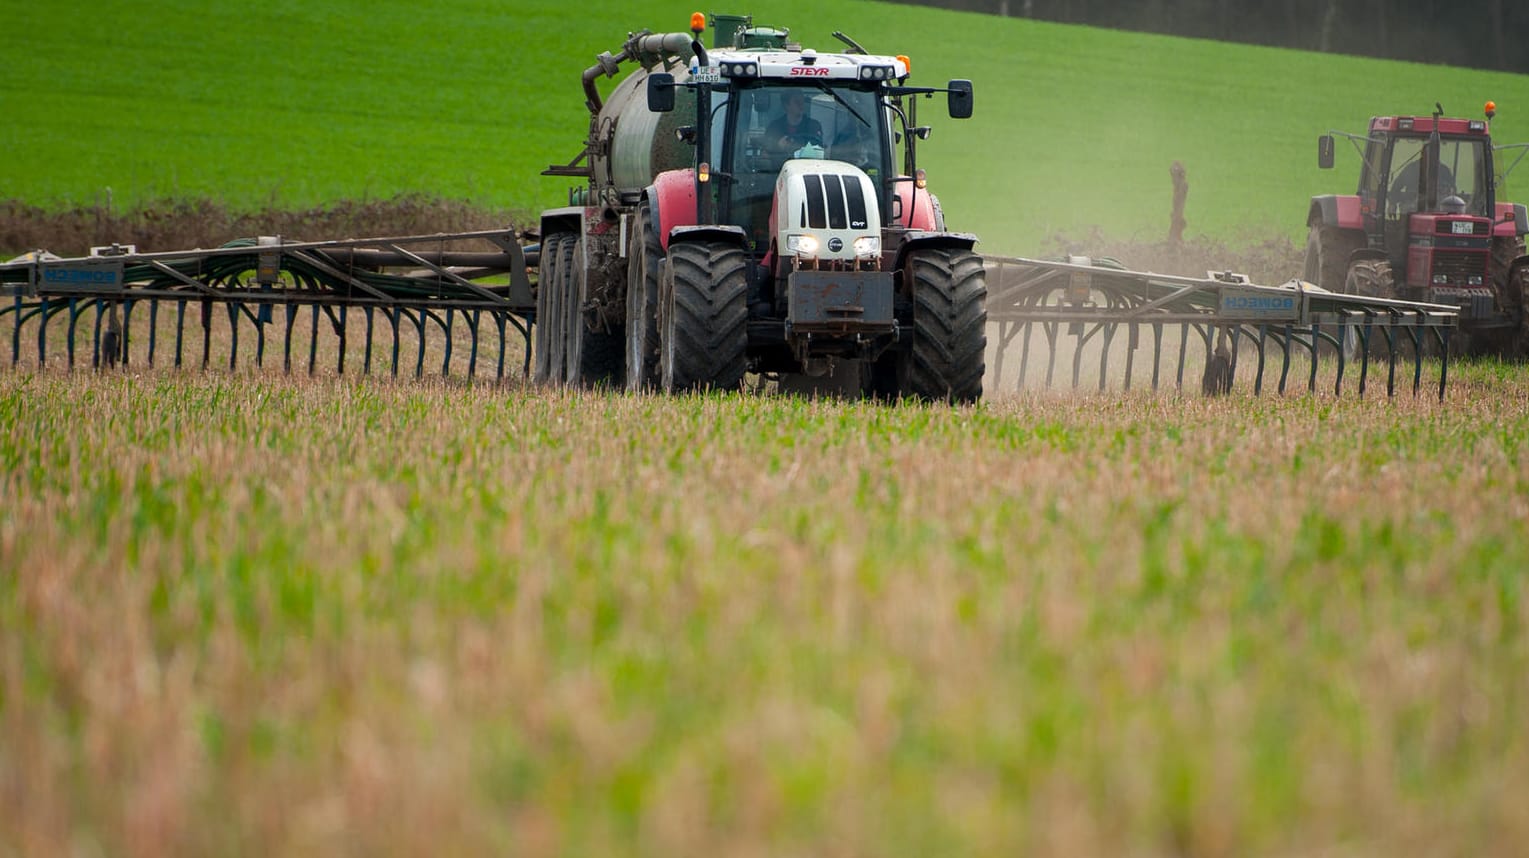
point(1425, 209)
point(1426, 195)
point(769, 124)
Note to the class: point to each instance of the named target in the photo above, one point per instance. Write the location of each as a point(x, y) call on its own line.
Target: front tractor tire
point(1327, 256)
point(949, 326)
point(703, 317)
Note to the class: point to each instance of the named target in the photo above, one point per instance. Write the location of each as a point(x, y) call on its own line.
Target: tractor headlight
point(802, 245)
point(1441, 279)
point(868, 245)
point(1474, 280)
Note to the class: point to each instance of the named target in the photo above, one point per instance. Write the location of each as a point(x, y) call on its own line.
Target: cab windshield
point(769, 124)
point(1462, 172)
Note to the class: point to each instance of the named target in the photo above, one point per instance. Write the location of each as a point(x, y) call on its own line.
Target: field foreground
point(244, 615)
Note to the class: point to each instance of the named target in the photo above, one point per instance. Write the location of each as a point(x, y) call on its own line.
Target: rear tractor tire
point(703, 317)
point(645, 260)
point(594, 357)
point(947, 358)
point(547, 351)
point(1327, 256)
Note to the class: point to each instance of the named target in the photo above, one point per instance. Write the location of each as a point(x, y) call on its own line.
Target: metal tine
point(366, 364)
point(1231, 373)
point(289, 315)
point(153, 328)
point(1258, 378)
point(260, 319)
point(74, 317)
point(501, 321)
point(1417, 359)
point(42, 335)
point(180, 329)
point(446, 361)
point(1024, 356)
point(233, 334)
point(313, 338)
point(393, 320)
point(1183, 353)
point(418, 317)
point(206, 332)
point(1284, 372)
point(472, 360)
point(1157, 352)
point(1390, 333)
point(1343, 328)
point(74, 329)
point(16, 333)
point(1444, 358)
point(1006, 332)
point(344, 338)
point(1316, 337)
point(1003, 328)
point(1231, 370)
point(1077, 355)
point(1050, 328)
point(1364, 350)
point(127, 327)
point(1107, 335)
point(1133, 338)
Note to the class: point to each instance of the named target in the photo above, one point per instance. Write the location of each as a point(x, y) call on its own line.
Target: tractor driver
point(794, 129)
point(1405, 190)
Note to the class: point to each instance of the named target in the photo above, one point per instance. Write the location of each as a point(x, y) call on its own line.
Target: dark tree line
point(1488, 34)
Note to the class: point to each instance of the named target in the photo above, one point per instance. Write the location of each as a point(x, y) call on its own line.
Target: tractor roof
point(808, 65)
point(1424, 125)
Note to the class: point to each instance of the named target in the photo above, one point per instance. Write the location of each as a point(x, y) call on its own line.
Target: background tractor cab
point(1425, 223)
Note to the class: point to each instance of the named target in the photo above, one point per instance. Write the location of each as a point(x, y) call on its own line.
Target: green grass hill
point(292, 103)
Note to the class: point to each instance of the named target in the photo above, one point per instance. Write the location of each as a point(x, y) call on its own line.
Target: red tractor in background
point(1426, 225)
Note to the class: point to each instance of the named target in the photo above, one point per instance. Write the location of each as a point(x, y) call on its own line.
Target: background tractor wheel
point(1371, 278)
point(643, 263)
point(1512, 290)
point(1518, 286)
point(546, 358)
point(1327, 253)
point(593, 356)
point(1504, 251)
point(704, 315)
point(949, 292)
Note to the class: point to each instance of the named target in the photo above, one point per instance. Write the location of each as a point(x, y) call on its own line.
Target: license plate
point(1462, 227)
point(709, 74)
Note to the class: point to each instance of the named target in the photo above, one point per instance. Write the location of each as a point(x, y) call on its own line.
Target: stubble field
point(254, 615)
point(244, 614)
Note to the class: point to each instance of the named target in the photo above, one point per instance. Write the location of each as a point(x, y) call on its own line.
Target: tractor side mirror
point(960, 99)
point(1325, 151)
point(660, 92)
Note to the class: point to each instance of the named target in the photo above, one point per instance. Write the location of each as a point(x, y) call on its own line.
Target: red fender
point(1510, 220)
point(1344, 211)
point(918, 207)
point(672, 196)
